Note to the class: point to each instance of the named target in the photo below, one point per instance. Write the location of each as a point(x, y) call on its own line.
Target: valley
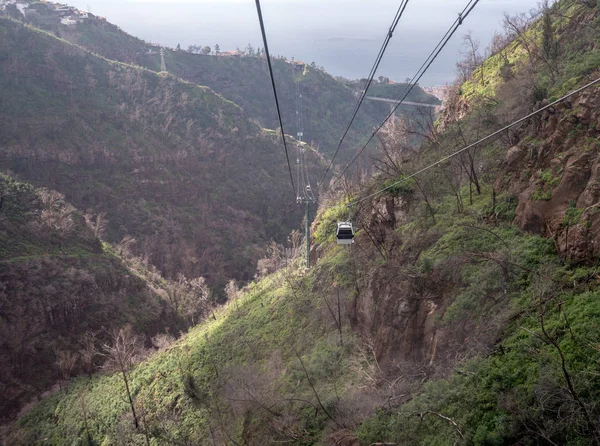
point(152, 265)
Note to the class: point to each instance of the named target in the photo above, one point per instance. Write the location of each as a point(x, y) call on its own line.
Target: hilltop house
point(22, 6)
point(231, 54)
point(68, 21)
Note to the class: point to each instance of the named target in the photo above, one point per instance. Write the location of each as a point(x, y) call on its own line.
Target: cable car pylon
point(305, 194)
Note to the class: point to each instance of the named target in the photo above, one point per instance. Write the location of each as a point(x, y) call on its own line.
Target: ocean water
point(343, 36)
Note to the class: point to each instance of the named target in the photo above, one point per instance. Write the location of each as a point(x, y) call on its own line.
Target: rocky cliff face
point(554, 173)
point(397, 306)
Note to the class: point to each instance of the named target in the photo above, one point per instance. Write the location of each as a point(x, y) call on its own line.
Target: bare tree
point(517, 27)
point(232, 291)
point(66, 362)
point(122, 354)
point(189, 297)
point(97, 223)
point(472, 59)
point(56, 214)
point(272, 262)
point(88, 351)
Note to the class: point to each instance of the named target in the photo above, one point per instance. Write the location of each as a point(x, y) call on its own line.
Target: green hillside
point(173, 165)
point(399, 90)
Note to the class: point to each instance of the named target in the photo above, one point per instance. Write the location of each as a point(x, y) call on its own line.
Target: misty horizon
point(342, 37)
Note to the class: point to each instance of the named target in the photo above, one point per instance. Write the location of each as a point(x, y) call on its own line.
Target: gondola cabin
point(345, 233)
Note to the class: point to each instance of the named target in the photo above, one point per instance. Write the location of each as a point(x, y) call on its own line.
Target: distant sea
point(343, 36)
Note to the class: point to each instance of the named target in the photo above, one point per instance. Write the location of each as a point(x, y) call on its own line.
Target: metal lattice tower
point(163, 65)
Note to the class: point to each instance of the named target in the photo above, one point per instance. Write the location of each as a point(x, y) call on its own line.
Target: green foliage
point(514, 395)
point(239, 79)
point(541, 195)
point(547, 178)
point(245, 345)
point(404, 188)
point(327, 222)
point(59, 283)
point(523, 324)
point(547, 181)
point(572, 214)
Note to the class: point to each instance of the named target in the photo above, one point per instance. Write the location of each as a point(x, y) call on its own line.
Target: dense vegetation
point(466, 313)
point(173, 165)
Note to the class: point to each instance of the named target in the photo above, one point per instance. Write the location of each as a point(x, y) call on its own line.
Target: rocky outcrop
point(395, 310)
point(554, 173)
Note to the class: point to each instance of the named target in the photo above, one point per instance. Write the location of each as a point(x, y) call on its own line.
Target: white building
point(68, 21)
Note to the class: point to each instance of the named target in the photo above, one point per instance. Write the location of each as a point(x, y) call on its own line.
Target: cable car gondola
point(345, 233)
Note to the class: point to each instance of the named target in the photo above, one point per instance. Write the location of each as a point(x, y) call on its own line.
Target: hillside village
point(70, 16)
point(67, 15)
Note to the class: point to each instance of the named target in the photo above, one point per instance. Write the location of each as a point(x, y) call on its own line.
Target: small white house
point(68, 21)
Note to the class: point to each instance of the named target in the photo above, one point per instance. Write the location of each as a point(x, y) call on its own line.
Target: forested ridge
point(172, 164)
point(241, 79)
point(168, 172)
point(467, 311)
point(62, 293)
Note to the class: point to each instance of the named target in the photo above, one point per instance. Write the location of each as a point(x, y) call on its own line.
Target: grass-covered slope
point(537, 58)
point(58, 282)
point(246, 376)
point(173, 165)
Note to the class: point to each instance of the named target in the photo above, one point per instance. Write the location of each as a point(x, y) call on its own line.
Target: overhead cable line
point(482, 140)
point(264, 36)
point(416, 78)
point(370, 78)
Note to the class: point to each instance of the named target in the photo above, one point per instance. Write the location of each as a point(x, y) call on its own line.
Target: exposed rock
point(389, 210)
point(570, 154)
point(514, 155)
point(552, 124)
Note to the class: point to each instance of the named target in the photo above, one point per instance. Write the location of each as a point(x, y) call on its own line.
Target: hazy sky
point(344, 36)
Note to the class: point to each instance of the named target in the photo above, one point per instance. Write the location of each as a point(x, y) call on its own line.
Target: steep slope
point(173, 165)
point(58, 282)
point(243, 80)
point(448, 322)
point(552, 169)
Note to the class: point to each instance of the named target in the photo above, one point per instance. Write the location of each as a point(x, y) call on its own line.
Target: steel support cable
point(373, 71)
point(264, 36)
point(370, 78)
point(301, 110)
point(482, 140)
point(415, 80)
point(298, 148)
